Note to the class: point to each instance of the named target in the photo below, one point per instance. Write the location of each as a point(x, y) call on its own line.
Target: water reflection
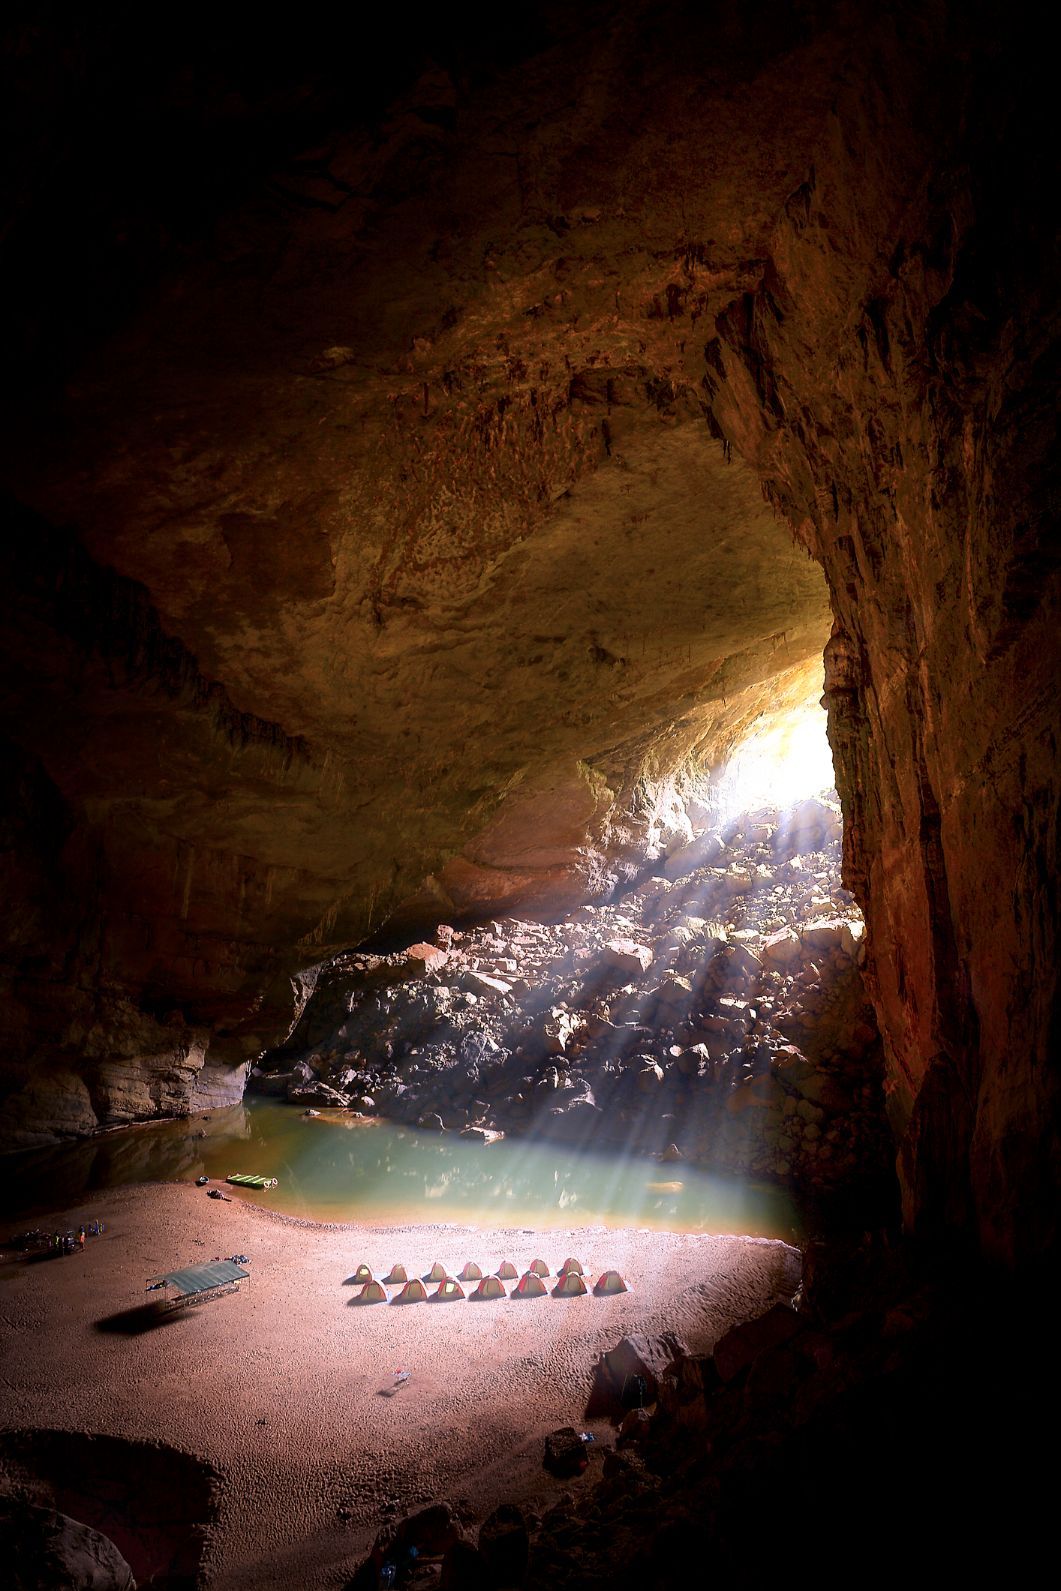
point(339, 1169)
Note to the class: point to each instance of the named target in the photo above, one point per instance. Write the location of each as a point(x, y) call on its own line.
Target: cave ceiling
point(412, 460)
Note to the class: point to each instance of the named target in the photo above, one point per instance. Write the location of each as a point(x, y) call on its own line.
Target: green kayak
point(244, 1179)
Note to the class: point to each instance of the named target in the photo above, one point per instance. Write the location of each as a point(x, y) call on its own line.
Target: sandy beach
point(287, 1388)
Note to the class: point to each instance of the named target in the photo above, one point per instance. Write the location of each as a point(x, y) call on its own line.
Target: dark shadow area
point(153, 1502)
point(134, 1322)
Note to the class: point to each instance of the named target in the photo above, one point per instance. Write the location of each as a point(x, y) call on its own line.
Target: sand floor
point(487, 1381)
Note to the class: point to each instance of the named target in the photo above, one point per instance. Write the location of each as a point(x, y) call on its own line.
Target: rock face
point(411, 529)
point(896, 406)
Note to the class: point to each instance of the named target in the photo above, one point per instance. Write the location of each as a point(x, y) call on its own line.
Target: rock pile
point(714, 1012)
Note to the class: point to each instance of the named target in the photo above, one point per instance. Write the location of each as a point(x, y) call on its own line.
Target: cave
point(443, 454)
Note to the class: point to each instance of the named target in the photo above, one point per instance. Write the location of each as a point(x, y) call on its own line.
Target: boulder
point(565, 1452)
point(782, 949)
point(576, 1119)
point(481, 983)
point(259, 1082)
point(464, 1568)
point(742, 961)
point(742, 1344)
point(761, 1093)
point(504, 1542)
point(432, 1531)
point(833, 933)
point(700, 852)
point(690, 1380)
point(691, 1061)
point(558, 1030)
point(675, 992)
point(423, 958)
point(627, 957)
point(45, 1550)
point(478, 1047)
point(807, 827)
point(635, 1427)
point(650, 1077)
point(833, 1094)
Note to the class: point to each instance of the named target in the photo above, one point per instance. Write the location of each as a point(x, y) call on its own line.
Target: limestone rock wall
point(889, 375)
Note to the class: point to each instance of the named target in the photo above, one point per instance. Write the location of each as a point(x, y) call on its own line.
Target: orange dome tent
point(538, 1267)
point(413, 1292)
point(570, 1285)
point(507, 1271)
point(437, 1273)
point(489, 1287)
point(371, 1293)
point(610, 1282)
point(529, 1286)
point(363, 1274)
point(397, 1274)
point(471, 1273)
point(447, 1292)
point(571, 1265)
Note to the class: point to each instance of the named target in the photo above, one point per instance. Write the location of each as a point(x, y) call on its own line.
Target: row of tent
point(570, 1283)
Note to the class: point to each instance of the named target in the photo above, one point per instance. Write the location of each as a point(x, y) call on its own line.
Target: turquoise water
point(335, 1168)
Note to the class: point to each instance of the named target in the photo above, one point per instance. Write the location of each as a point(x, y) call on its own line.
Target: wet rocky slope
point(715, 1012)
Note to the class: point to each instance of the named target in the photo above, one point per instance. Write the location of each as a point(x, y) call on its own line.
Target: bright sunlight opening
point(780, 764)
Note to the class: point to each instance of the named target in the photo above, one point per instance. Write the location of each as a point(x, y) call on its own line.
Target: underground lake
point(338, 1168)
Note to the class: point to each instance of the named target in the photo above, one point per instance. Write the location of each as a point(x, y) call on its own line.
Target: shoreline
point(286, 1391)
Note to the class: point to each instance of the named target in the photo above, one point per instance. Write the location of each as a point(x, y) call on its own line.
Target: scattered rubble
point(715, 1013)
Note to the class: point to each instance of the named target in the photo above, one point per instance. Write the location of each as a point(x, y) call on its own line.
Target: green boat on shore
point(245, 1179)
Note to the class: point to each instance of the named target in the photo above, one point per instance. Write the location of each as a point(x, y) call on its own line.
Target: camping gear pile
point(50, 1245)
point(570, 1283)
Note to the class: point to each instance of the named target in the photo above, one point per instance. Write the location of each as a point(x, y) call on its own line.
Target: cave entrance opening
point(707, 1014)
point(784, 759)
